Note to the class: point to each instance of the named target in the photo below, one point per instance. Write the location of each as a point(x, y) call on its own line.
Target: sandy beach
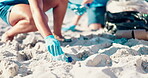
point(96, 54)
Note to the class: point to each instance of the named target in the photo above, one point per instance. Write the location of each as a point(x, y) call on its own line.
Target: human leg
point(73, 24)
point(21, 20)
point(96, 17)
point(76, 19)
point(59, 13)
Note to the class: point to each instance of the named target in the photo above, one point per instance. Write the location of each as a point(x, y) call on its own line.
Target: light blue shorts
point(96, 15)
point(5, 12)
point(6, 7)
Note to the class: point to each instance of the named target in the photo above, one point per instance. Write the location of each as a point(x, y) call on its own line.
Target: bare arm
point(39, 17)
point(87, 1)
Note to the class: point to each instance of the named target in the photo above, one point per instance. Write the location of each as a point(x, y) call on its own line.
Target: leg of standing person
point(21, 20)
point(73, 24)
point(59, 13)
point(96, 17)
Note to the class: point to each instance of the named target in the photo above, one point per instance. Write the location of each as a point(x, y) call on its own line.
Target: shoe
point(72, 28)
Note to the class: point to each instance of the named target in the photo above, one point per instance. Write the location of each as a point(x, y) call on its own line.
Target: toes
point(6, 38)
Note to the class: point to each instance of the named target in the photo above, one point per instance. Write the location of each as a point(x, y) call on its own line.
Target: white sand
point(95, 54)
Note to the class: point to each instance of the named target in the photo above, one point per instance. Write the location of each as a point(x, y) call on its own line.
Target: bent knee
point(27, 24)
point(19, 12)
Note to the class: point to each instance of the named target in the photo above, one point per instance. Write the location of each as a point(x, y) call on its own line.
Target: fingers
point(51, 50)
point(59, 49)
point(86, 2)
point(55, 49)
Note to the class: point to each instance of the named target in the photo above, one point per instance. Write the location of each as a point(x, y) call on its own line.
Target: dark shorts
point(96, 15)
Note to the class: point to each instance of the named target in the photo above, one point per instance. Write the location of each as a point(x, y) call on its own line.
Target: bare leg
point(59, 13)
point(76, 19)
point(21, 20)
point(95, 26)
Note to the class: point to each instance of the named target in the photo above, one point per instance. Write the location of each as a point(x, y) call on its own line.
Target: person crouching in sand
point(29, 15)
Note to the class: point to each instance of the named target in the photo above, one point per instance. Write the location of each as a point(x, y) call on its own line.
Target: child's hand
point(77, 8)
point(86, 2)
point(53, 46)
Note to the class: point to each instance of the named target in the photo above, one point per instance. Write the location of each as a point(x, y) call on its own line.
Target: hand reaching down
point(54, 48)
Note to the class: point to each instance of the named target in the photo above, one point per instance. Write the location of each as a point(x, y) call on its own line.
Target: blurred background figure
point(95, 10)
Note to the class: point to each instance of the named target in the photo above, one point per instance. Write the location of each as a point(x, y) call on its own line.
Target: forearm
point(58, 16)
point(39, 17)
point(41, 23)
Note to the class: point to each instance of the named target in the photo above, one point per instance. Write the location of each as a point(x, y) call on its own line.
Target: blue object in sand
point(77, 8)
point(120, 41)
point(72, 28)
point(97, 3)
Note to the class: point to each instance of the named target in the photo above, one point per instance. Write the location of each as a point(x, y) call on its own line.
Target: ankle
point(6, 37)
point(95, 26)
point(59, 37)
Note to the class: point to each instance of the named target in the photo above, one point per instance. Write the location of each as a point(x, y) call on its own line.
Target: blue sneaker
point(72, 28)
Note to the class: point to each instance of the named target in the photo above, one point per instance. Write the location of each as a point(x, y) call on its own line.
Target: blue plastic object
point(72, 28)
point(120, 41)
point(77, 8)
point(69, 59)
point(53, 46)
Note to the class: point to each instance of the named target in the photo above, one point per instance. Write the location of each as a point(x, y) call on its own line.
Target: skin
point(93, 26)
point(78, 17)
point(26, 18)
point(87, 1)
